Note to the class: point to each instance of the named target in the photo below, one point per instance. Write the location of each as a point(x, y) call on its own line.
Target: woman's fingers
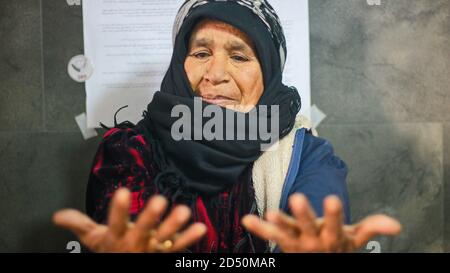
point(75, 221)
point(332, 231)
point(374, 226)
point(284, 222)
point(119, 212)
point(264, 230)
point(151, 215)
point(304, 214)
point(188, 237)
point(177, 218)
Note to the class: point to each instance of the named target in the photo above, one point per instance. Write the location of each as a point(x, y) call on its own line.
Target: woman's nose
point(216, 71)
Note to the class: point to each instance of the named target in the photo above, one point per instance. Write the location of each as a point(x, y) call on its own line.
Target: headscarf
point(206, 167)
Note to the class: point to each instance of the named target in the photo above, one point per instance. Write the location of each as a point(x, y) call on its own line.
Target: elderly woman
point(152, 192)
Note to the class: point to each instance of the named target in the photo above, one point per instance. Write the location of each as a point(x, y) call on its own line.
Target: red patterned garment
point(124, 159)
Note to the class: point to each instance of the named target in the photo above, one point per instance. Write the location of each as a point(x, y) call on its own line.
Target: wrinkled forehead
point(201, 35)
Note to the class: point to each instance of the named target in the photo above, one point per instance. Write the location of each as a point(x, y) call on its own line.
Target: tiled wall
point(380, 73)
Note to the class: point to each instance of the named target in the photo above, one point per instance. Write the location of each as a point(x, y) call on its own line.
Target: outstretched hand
point(147, 234)
point(305, 233)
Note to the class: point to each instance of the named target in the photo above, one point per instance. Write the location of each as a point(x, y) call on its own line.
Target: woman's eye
point(201, 55)
point(239, 58)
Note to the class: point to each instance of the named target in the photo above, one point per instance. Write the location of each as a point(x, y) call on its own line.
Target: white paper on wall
point(129, 43)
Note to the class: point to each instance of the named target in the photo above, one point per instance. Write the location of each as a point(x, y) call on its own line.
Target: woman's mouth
point(219, 100)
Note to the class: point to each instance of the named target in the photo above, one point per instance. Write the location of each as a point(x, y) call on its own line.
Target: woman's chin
point(240, 108)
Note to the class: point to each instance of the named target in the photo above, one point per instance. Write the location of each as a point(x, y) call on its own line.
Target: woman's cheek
point(193, 74)
point(252, 83)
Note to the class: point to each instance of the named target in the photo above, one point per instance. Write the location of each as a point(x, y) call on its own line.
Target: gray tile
point(20, 65)
point(63, 39)
point(381, 63)
point(41, 173)
point(396, 169)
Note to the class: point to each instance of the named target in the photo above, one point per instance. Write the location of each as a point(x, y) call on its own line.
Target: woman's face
point(222, 66)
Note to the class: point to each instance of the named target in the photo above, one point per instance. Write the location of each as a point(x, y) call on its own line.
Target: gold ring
point(167, 244)
point(160, 247)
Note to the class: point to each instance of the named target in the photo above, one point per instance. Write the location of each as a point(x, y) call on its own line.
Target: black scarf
point(191, 167)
